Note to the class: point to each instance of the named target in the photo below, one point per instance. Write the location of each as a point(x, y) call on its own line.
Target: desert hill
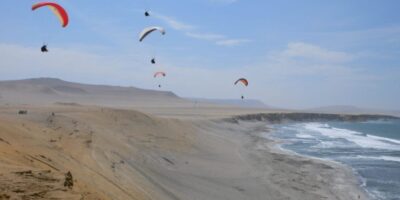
point(106, 151)
point(42, 91)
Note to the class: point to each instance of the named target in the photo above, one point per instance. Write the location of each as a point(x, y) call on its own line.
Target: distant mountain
point(247, 103)
point(346, 109)
point(51, 90)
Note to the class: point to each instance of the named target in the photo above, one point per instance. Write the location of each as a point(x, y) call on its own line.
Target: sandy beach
point(126, 154)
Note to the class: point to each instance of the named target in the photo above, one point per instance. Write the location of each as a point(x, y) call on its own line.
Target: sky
point(295, 54)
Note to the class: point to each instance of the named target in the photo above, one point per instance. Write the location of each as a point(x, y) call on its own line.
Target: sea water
point(371, 148)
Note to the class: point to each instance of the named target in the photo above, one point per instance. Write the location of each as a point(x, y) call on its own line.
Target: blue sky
point(296, 54)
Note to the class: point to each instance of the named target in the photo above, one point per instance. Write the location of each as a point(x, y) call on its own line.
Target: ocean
point(371, 148)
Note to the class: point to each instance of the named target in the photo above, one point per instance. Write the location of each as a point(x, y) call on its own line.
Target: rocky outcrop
point(306, 117)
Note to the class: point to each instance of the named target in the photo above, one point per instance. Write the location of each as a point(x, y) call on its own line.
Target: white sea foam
point(321, 139)
point(385, 139)
point(386, 158)
point(365, 141)
point(332, 144)
point(378, 122)
point(304, 136)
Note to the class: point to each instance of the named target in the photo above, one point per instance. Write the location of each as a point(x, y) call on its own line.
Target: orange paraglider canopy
point(242, 80)
point(159, 74)
point(57, 10)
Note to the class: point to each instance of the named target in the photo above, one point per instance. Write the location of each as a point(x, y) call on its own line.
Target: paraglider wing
point(57, 10)
point(159, 74)
point(149, 30)
point(242, 80)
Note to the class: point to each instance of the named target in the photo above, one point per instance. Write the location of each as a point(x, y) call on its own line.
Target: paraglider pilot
point(242, 97)
point(147, 14)
point(153, 61)
point(44, 49)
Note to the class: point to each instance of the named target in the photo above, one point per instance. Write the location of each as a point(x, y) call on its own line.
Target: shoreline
point(291, 176)
point(369, 149)
point(350, 176)
point(277, 146)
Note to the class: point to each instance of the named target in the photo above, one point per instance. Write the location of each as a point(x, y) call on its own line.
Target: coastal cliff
point(306, 117)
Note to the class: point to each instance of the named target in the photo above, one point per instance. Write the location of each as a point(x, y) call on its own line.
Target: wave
point(384, 139)
point(380, 122)
point(304, 136)
point(385, 158)
point(358, 138)
point(373, 158)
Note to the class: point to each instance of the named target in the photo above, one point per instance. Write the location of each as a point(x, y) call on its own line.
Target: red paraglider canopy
point(242, 80)
point(57, 9)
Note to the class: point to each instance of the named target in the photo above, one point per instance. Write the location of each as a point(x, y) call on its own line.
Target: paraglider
point(43, 49)
point(58, 11)
point(158, 74)
point(146, 32)
point(149, 30)
point(244, 82)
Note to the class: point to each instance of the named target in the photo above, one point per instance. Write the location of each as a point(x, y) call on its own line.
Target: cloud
point(232, 42)
point(379, 34)
point(304, 59)
point(205, 36)
point(218, 39)
point(175, 24)
point(309, 51)
point(192, 32)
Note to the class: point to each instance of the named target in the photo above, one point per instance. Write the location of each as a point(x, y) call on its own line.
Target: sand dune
point(123, 143)
point(44, 91)
point(95, 145)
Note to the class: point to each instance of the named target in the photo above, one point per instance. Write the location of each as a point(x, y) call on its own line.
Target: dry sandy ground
point(154, 153)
